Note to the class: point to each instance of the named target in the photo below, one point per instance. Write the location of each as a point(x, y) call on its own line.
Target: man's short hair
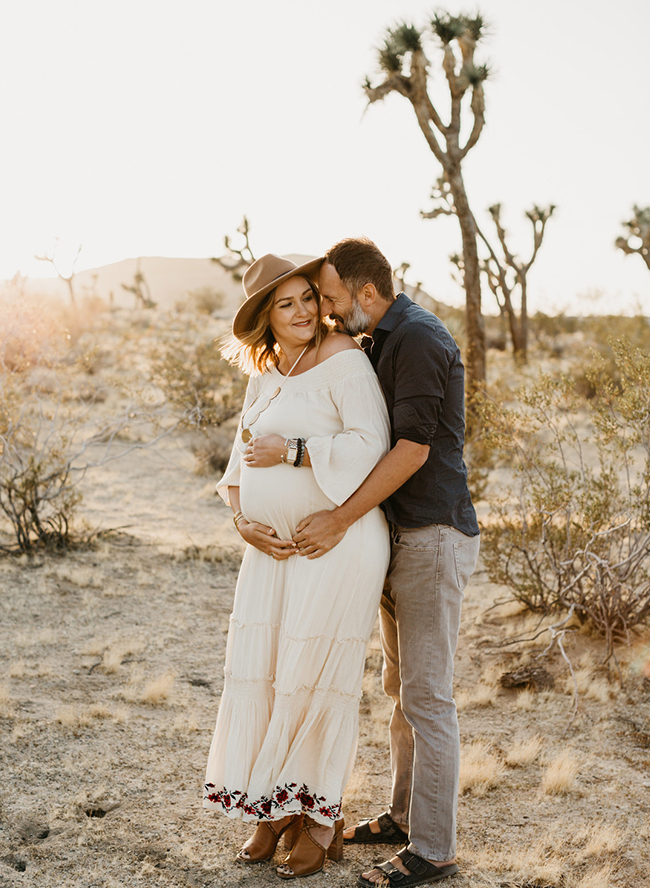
point(358, 261)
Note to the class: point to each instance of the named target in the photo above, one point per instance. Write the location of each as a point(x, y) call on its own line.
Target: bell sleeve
point(230, 477)
point(341, 462)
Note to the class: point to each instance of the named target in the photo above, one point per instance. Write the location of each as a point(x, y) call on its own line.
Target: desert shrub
point(600, 334)
point(205, 300)
point(37, 496)
point(47, 444)
point(572, 529)
point(205, 389)
point(212, 450)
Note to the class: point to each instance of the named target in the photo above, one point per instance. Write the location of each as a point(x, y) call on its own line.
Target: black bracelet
point(301, 453)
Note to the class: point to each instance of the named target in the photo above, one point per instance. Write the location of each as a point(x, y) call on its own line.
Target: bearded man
point(422, 486)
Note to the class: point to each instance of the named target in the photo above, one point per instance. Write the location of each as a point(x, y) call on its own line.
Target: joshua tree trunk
point(475, 356)
point(406, 68)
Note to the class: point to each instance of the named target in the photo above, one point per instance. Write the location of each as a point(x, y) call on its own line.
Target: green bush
point(572, 529)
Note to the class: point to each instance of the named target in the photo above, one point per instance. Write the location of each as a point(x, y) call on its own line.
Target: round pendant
point(246, 435)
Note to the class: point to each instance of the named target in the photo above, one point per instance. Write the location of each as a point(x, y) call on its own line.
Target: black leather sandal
point(389, 833)
point(421, 872)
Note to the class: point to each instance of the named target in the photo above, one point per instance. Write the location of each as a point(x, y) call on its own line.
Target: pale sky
point(149, 127)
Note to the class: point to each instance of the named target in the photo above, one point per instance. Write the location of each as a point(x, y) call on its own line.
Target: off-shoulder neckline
point(320, 364)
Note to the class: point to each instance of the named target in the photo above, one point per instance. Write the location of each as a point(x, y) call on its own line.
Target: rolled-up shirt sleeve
point(421, 374)
point(341, 462)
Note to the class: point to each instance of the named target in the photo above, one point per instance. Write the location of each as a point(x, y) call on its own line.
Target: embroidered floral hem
point(287, 799)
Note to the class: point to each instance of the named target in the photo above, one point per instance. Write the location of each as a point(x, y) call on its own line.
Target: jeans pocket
point(417, 539)
point(465, 558)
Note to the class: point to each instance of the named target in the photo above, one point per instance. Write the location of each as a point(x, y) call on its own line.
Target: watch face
point(246, 435)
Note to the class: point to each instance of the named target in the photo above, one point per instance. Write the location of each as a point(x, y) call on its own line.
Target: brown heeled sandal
point(266, 838)
point(290, 836)
point(308, 856)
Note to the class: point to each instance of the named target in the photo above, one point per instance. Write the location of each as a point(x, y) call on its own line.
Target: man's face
point(339, 305)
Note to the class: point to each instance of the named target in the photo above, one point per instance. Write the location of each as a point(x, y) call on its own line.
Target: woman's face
point(295, 314)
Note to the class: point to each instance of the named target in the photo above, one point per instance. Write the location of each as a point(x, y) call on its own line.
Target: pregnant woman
point(314, 425)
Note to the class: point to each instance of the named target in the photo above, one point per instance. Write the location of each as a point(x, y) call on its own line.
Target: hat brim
point(242, 322)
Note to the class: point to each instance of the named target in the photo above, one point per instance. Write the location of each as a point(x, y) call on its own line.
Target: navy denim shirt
point(422, 376)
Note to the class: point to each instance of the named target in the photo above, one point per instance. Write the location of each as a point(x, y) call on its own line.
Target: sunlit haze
point(147, 128)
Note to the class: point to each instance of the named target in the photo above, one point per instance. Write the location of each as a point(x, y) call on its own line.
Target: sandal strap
point(418, 865)
point(388, 826)
point(388, 868)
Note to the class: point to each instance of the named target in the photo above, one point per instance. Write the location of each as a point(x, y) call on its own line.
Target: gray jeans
point(419, 620)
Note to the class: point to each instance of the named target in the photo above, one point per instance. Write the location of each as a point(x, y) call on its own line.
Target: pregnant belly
point(280, 496)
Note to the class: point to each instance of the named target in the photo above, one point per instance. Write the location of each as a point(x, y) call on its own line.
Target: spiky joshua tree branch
point(236, 261)
point(637, 239)
point(405, 66)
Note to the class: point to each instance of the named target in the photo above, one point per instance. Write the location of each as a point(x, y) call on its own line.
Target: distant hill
point(170, 281)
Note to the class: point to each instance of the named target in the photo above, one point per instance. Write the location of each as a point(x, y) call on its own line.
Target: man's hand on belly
point(318, 533)
point(265, 539)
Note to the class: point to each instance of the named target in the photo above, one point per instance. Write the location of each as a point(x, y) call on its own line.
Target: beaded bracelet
point(301, 453)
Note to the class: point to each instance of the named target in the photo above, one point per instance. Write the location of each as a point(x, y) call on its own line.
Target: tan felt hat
point(260, 278)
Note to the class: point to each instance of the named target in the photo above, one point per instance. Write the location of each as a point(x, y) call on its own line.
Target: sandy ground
point(110, 674)
point(111, 665)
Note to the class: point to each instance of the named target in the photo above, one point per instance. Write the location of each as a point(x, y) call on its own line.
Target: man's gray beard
point(357, 321)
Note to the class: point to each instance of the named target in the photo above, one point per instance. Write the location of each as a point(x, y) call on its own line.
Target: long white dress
point(287, 726)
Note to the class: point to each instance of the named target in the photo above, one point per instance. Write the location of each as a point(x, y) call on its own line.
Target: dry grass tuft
point(482, 695)
point(600, 838)
point(80, 717)
point(157, 691)
point(117, 651)
point(185, 724)
point(524, 752)
point(6, 705)
point(525, 700)
point(81, 576)
point(601, 878)
point(561, 774)
point(71, 717)
point(535, 866)
point(121, 714)
point(33, 639)
point(589, 685)
point(528, 865)
point(99, 710)
point(600, 690)
point(17, 669)
point(19, 732)
point(20, 669)
point(480, 769)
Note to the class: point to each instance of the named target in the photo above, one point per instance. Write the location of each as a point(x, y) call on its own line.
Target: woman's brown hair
point(256, 350)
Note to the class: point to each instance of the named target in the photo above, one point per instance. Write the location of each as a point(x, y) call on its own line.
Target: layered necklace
point(246, 433)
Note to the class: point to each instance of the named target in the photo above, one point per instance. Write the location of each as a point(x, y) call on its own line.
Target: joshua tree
point(140, 289)
point(405, 66)
point(237, 261)
point(51, 258)
point(503, 275)
point(637, 239)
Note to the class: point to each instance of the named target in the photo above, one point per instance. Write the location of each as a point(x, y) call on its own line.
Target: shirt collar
point(394, 315)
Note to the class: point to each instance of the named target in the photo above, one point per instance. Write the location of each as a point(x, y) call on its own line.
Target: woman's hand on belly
point(265, 451)
point(264, 538)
